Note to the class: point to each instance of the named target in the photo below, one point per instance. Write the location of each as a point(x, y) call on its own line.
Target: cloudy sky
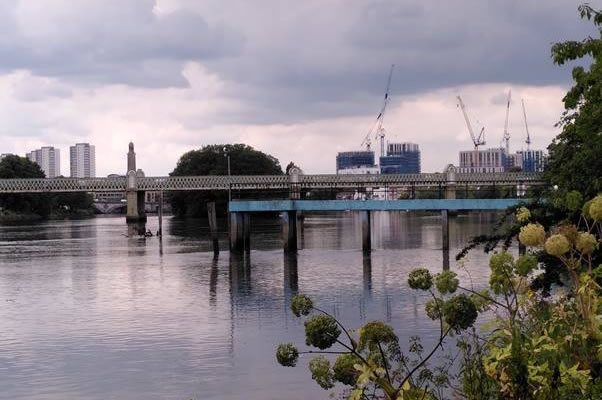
point(300, 80)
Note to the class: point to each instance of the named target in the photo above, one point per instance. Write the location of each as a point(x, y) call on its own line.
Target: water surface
point(86, 313)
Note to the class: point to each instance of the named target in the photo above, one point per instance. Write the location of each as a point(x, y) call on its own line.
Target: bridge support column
point(237, 221)
point(366, 219)
point(135, 197)
point(135, 207)
point(246, 228)
point(289, 231)
point(445, 230)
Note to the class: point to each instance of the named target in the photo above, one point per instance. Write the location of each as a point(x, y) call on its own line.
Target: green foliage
point(434, 308)
point(574, 200)
point(321, 331)
point(213, 160)
point(526, 264)
point(321, 372)
point(374, 333)
point(502, 266)
point(575, 162)
point(344, 369)
point(446, 282)
point(40, 204)
point(287, 355)
point(460, 312)
point(420, 279)
point(370, 359)
point(301, 305)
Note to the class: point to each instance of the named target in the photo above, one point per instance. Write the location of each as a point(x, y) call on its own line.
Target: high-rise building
point(489, 160)
point(82, 160)
point(530, 160)
point(49, 160)
point(401, 158)
point(4, 155)
point(354, 159)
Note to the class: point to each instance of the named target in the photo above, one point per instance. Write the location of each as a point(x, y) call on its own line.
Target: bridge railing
point(266, 182)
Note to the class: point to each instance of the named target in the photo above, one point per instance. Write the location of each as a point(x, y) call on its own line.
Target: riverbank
point(7, 216)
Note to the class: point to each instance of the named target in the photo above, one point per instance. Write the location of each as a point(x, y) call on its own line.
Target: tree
point(13, 167)
point(41, 204)
point(213, 160)
point(575, 161)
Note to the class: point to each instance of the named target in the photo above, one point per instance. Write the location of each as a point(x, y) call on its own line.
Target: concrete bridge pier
point(135, 198)
point(289, 231)
point(135, 207)
point(237, 232)
point(366, 218)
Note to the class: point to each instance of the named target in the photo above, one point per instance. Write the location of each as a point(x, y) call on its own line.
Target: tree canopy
point(40, 204)
point(213, 160)
point(13, 166)
point(576, 154)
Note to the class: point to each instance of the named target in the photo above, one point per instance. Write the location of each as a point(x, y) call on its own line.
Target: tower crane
point(476, 140)
point(377, 129)
point(528, 141)
point(506, 133)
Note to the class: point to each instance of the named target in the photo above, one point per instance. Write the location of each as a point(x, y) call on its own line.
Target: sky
point(301, 80)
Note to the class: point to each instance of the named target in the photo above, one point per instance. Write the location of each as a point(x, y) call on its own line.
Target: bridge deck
point(371, 205)
point(265, 182)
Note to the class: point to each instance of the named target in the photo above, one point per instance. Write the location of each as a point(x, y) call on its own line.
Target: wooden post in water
point(211, 215)
point(366, 231)
point(289, 231)
point(160, 233)
point(444, 230)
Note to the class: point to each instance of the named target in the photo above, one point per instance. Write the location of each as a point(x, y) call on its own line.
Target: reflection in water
point(445, 259)
point(240, 274)
point(213, 281)
point(291, 276)
point(88, 313)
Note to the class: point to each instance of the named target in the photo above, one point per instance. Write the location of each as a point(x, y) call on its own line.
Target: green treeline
point(42, 205)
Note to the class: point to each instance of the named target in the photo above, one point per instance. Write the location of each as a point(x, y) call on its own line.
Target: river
point(86, 313)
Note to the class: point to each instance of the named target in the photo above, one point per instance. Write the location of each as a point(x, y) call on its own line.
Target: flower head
point(344, 370)
point(460, 312)
point(523, 214)
point(287, 355)
point(586, 242)
point(595, 208)
point(532, 235)
point(420, 279)
point(557, 245)
point(375, 332)
point(321, 372)
point(446, 282)
point(301, 305)
point(321, 331)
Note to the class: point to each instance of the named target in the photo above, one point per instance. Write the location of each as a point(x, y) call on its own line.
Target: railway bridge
point(295, 186)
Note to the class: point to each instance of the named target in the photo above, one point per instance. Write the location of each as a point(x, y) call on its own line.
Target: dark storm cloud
point(108, 41)
point(292, 61)
point(335, 61)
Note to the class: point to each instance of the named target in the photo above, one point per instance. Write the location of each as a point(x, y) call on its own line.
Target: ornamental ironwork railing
point(264, 182)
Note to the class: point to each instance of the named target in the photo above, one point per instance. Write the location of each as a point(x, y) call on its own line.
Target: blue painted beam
point(371, 205)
